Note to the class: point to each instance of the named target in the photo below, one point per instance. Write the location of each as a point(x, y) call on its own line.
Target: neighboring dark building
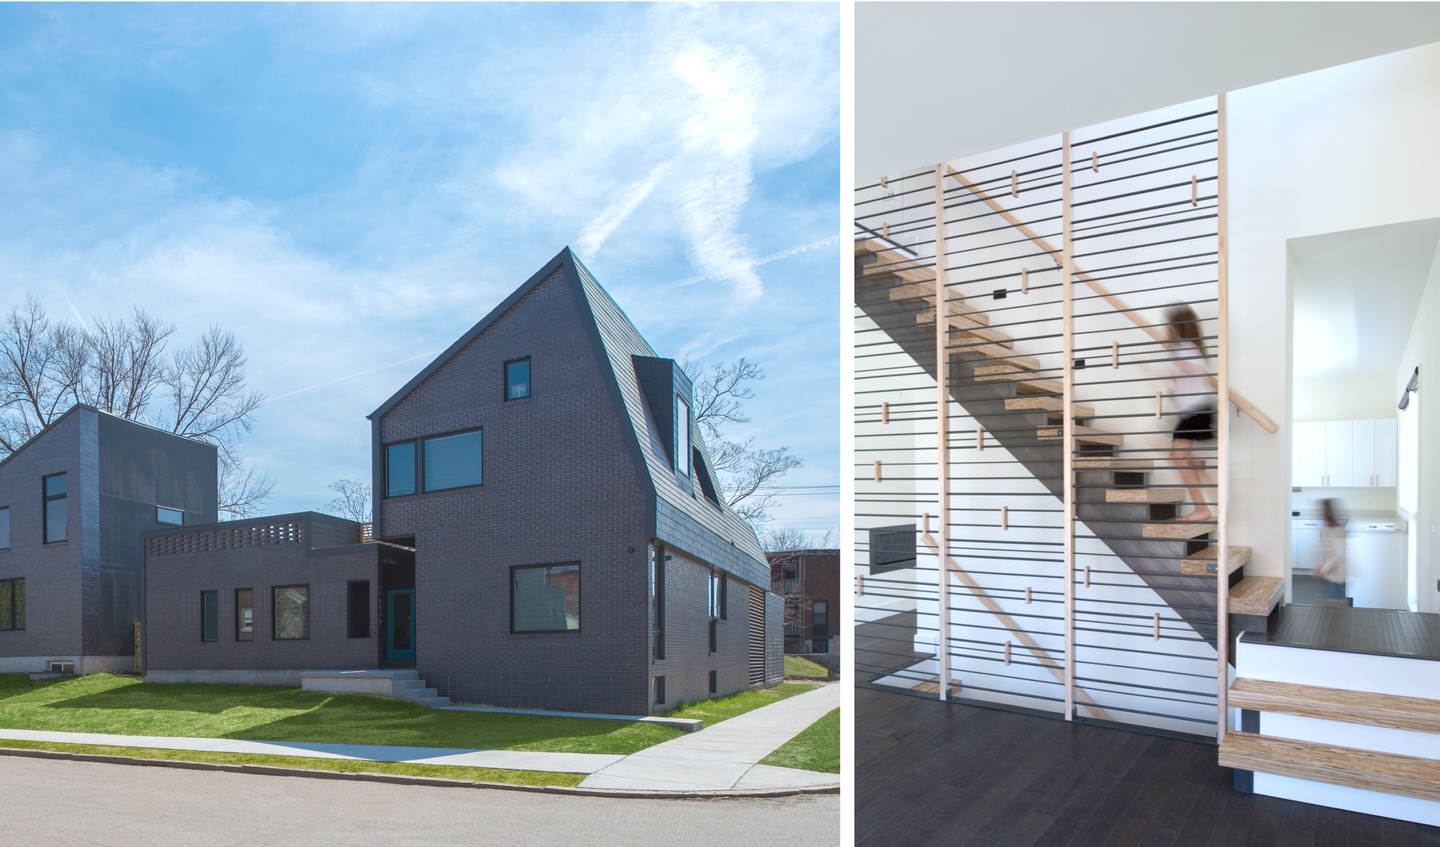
point(571, 547)
point(809, 583)
point(74, 501)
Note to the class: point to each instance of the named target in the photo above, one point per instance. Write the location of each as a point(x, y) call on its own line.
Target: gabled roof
point(687, 521)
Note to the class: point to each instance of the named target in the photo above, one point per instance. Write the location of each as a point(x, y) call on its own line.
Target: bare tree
point(747, 473)
point(353, 501)
point(120, 366)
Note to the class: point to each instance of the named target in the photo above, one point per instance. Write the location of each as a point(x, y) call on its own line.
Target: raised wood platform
point(1418, 714)
point(1365, 769)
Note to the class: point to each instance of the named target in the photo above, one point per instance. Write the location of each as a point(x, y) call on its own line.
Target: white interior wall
point(1338, 149)
point(1423, 350)
point(1358, 398)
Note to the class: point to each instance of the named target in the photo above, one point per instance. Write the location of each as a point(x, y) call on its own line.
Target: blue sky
point(351, 187)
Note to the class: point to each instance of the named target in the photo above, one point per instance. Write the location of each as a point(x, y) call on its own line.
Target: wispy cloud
point(605, 223)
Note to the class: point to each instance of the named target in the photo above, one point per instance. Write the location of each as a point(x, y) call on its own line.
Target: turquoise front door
point(400, 612)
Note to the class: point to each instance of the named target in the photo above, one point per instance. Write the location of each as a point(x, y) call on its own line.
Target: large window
point(12, 604)
point(517, 379)
point(4, 527)
point(545, 598)
point(209, 616)
point(682, 436)
point(292, 612)
point(244, 614)
point(400, 469)
point(57, 508)
point(358, 609)
point(452, 461)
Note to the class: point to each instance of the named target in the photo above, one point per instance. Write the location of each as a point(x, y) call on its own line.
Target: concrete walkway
point(726, 756)
point(721, 758)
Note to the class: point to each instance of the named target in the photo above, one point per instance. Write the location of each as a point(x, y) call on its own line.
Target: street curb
point(432, 782)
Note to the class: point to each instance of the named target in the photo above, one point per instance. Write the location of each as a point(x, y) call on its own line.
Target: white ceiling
point(1356, 296)
point(937, 81)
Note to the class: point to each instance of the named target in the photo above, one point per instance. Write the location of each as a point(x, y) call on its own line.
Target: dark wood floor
point(927, 772)
point(1375, 631)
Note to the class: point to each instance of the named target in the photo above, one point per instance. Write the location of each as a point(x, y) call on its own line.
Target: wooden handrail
point(1105, 294)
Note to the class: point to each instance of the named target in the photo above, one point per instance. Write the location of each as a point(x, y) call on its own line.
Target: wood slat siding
point(1364, 769)
point(757, 636)
point(1417, 714)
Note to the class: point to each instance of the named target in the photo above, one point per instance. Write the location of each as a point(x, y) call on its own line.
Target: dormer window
point(682, 436)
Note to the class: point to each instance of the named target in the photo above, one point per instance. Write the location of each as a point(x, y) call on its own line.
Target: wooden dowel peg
point(1005, 518)
point(1087, 576)
point(885, 412)
point(1007, 652)
point(1114, 354)
point(1024, 280)
point(1095, 161)
point(925, 523)
point(1027, 595)
point(1014, 183)
point(1194, 190)
point(877, 471)
point(1158, 406)
point(885, 230)
point(980, 438)
point(1157, 626)
point(884, 182)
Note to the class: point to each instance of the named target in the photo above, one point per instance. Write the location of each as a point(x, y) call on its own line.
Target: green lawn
point(125, 706)
point(797, 666)
point(495, 775)
point(815, 749)
point(715, 711)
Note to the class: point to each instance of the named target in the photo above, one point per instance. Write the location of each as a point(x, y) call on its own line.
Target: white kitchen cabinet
point(1344, 454)
point(1339, 454)
point(1309, 552)
point(1386, 452)
point(1309, 455)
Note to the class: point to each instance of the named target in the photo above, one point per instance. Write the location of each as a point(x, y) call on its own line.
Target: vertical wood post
point(1067, 296)
point(942, 420)
point(1222, 424)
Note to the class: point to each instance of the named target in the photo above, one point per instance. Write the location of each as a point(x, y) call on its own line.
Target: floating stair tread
point(1145, 495)
point(1387, 773)
point(1046, 403)
point(895, 263)
point(1180, 530)
point(1088, 463)
point(1000, 372)
point(1256, 595)
point(1201, 563)
point(994, 352)
point(1040, 386)
point(1083, 434)
point(961, 328)
point(1417, 714)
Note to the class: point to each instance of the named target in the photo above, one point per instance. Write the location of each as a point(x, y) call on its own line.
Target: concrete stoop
point(400, 684)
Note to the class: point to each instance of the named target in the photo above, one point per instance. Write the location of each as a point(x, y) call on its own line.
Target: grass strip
point(463, 774)
point(801, 667)
point(724, 708)
point(816, 748)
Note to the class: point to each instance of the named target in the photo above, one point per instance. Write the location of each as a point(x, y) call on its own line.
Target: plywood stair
point(1021, 408)
point(1251, 752)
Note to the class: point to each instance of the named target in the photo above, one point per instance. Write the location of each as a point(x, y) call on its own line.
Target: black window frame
point(660, 690)
point(529, 377)
point(714, 635)
point(414, 444)
point(579, 598)
point(209, 607)
point(240, 635)
point(46, 499)
point(351, 612)
point(724, 596)
point(17, 608)
point(159, 509)
point(423, 483)
point(657, 587)
point(275, 616)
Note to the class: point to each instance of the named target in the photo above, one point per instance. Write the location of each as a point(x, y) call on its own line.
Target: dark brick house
point(808, 581)
point(74, 501)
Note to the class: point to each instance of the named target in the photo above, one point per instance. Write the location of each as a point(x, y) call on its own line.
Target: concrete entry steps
point(400, 684)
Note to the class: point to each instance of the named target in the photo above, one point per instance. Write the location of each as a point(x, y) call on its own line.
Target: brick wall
point(560, 485)
point(172, 608)
point(688, 660)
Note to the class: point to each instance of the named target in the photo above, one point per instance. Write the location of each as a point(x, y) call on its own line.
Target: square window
point(244, 614)
point(169, 517)
point(517, 379)
point(209, 616)
point(291, 613)
point(57, 509)
point(452, 461)
point(400, 469)
point(545, 598)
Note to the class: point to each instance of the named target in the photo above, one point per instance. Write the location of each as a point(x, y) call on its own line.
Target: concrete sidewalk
point(722, 757)
point(726, 756)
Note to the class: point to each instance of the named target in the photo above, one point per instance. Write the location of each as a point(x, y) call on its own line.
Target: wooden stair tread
point(1086, 463)
point(1145, 495)
point(1039, 386)
point(1084, 434)
point(961, 328)
point(891, 262)
point(1256, 595)
point(1046, 403)
point(1201, 564)
point(1388, 773)
point(1417, 714)
point(1000, 372)
point(994, 352)
point(1178, 529)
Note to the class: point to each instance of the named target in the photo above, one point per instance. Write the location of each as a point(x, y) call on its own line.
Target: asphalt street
point(65, 803)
